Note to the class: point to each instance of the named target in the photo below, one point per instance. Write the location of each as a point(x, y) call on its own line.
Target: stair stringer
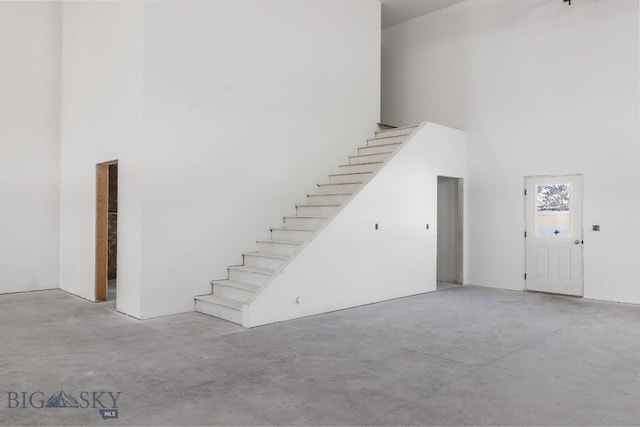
point(347, 262)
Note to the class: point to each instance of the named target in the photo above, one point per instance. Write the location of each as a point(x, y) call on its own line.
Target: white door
point(554, 234)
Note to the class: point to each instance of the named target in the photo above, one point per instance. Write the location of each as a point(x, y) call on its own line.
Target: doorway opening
point(106, 230)
point(450, 232)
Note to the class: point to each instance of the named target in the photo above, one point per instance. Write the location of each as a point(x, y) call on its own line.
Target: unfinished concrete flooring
point(461, 356)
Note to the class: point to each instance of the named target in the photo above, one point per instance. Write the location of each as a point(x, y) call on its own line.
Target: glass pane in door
point(553, 210)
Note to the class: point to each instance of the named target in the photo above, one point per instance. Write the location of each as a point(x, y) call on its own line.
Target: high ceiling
point(397, 11)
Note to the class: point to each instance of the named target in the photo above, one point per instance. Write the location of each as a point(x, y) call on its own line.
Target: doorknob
point(577, 242)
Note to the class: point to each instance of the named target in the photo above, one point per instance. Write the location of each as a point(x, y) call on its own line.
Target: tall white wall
point(247, 106)
point(102, 111)
point(29, 149)
point(348, 262)
point(542, 88)
point(222, 114)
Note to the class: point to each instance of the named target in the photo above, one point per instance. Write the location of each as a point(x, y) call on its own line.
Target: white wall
point(247, 106)
point(222, 114)
point(102, 110)
point(348, 262)
point(29, 149)
point(542, 88)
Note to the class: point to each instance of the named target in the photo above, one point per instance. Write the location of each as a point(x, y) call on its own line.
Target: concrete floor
point(460, 356)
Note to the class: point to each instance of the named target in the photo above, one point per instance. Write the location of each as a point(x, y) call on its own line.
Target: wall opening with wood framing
point(106, 230)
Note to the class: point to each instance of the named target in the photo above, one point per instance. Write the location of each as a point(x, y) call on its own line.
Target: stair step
point(328, 198)
point(312, 222)
point(248, 274)
point(225, 302)
point(316, 210)
point(364, 167)
point(386, 140)
point(224, 308)
point(382, 148)
point(349, 178)
point(263, 260)
point(278, 247)
point(346, 188)
point(233, 290)
point(235, 284)
point(362, 159)
point(397, 131)
point(291, 234)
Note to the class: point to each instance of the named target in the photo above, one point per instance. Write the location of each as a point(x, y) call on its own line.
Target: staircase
point(230, 295)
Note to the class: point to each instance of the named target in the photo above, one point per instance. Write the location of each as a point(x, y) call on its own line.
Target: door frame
point(581, 205)
point(102, 230)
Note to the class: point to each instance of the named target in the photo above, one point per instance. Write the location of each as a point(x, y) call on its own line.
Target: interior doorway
point(450, 232)
point(106, 230)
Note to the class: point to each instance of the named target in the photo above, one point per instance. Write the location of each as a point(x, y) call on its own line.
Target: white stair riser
point(341, 179)
point(277, 248)
point(290, 235)
point(311, 223)
point(331, 199)
point(232, 293)
point(262, 262)
point(366, 159)
point(378, 149)
point(386, 140)
point(360, 168)
point(395, 132)
point(220, 311)
point(247, 277)
point(316, 210)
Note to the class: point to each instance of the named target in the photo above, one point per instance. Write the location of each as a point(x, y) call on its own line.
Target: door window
point(553, 210)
